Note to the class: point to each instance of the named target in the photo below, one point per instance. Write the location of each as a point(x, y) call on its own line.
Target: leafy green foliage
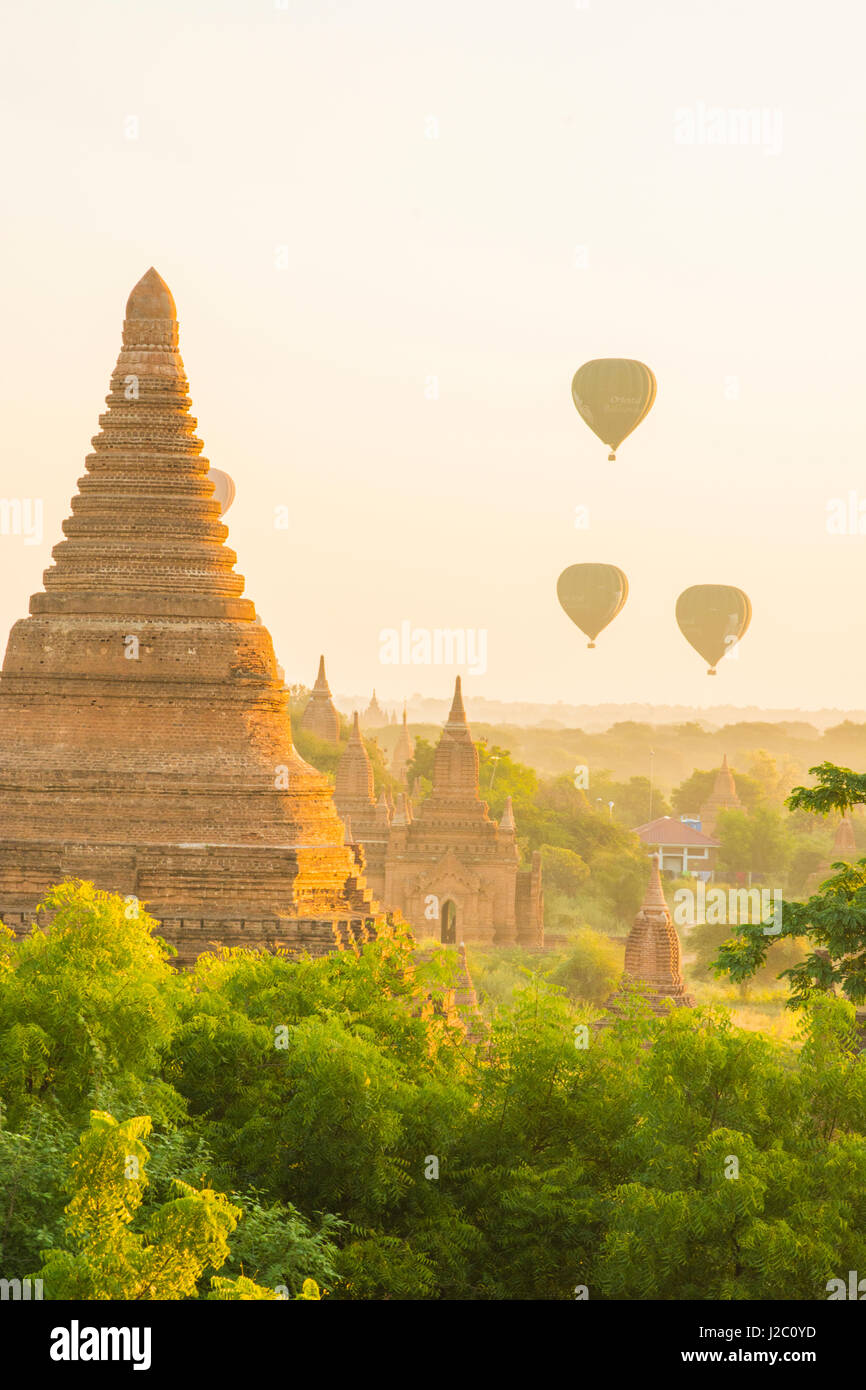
point(591, 969)
point(90, 1002)
point(105, 1258)
point(331, 1131)
point(563, 870)
point(635, 801)
point(832, 920)
point(756, 843)
point(838, 789)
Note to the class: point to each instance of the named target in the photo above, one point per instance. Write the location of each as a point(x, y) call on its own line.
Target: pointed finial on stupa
point(458, 713)
point(507, 822)
point(355, 735)
point(151, 299)
point(655, 893)
point(321, 678)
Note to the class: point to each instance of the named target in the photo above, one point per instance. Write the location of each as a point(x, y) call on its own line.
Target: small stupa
point(652, 951)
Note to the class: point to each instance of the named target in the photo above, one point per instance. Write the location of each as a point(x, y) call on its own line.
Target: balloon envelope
point(592, 595)
point(713, 618)
point(224, 488)
point(613, 394)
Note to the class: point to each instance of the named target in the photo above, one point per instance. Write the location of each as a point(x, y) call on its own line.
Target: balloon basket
point(611, 458)
point(590, 646)
point(711, 671)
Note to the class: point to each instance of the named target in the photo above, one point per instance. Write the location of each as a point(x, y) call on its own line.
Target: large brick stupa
point(145, 740)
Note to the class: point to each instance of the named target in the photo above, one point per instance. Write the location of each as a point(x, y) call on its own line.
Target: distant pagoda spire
point(844, 844)
point(374, 716)
point(844, 847)
point(507, 821)
point(403, 751)
point(722, 798)
point(320, 716)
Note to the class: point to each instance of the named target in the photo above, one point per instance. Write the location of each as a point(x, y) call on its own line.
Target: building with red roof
point(681, 848)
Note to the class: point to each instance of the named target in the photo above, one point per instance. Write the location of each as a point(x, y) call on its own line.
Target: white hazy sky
point(412, 257)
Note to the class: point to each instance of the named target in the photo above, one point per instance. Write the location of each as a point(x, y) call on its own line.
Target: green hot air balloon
point(713, 618)
point(592, 595)
point(223, 488)
point(613, 394)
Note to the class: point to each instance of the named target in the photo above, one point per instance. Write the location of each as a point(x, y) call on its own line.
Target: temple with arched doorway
point(449, 868)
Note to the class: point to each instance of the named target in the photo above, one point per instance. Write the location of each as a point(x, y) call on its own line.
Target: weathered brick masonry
point(145, 740)
point(451, 871)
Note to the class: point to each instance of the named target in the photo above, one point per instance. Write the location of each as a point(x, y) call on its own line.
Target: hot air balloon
point(224, 488)
point(592, 595)
point(613, 394)
point(713, 618)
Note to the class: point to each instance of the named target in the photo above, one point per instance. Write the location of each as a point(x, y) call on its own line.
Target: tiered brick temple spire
point(320, 716)
point(353, 783)
point(404, 750)
point(722, 798)
point(145, 740)
point(652, 951)
point(450, 862)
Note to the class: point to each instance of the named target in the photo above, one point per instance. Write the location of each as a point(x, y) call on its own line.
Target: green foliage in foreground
point(832, 921)
point(322, 1126)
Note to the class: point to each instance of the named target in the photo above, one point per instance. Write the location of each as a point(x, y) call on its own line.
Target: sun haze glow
point(393, 233)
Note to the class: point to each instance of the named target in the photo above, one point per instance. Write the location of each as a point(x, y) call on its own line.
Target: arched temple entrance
point(448, 919)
